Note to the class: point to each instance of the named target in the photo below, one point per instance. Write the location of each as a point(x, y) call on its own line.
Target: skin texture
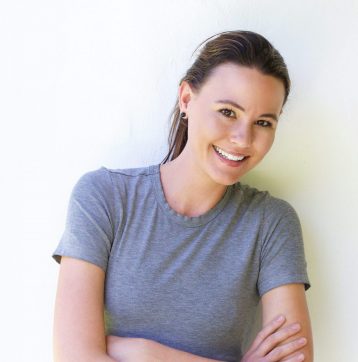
point(290, 300)
point(145, 350)
point(197, 174)
point(200, 178)
point(78, 329)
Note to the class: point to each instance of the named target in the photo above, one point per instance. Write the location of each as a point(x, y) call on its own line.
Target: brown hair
point(241, 47)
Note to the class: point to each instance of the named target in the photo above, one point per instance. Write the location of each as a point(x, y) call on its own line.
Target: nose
point(241, 135)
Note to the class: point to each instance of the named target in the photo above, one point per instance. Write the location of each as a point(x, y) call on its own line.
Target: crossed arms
point(79, 332)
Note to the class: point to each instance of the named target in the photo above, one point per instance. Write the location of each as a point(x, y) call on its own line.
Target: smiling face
point(234, 116)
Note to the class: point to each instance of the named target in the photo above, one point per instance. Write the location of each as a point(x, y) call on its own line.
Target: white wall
point(91, 83)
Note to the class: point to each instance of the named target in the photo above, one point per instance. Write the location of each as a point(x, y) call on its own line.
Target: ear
point(185, 95)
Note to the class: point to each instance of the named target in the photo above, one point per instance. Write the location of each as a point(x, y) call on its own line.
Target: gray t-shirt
point(192, 283)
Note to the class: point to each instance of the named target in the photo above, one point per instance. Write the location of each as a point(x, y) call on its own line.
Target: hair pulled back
point(241, 47)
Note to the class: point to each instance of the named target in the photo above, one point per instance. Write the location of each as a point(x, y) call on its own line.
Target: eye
point(264, 123)
point(226, 112)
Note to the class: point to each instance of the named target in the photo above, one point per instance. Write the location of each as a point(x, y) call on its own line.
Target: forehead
point(244, 85)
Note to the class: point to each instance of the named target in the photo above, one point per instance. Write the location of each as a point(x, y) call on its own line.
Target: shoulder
point(103, 178)
point(93, 177)
point(111, 188)
point(133, 171)
point(271, 213)
point(271, 206)
point(94, 182)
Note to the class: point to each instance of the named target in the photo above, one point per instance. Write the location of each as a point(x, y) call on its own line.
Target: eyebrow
point(227, 101)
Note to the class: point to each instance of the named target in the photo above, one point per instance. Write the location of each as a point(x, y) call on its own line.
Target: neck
point(188, 189)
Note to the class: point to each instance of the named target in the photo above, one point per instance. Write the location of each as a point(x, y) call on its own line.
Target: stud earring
point(183, 115)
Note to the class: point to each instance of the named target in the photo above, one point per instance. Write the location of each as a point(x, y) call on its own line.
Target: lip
point(232, 152)
point(230, 162)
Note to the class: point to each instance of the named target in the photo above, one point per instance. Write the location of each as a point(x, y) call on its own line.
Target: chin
point(227, 181)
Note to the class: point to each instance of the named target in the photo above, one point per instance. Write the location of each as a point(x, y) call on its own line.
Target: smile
point(228, 155)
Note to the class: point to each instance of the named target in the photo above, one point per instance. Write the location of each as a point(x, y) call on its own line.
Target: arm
point(126, 349)
point(290, 300)
point(263, 349)
point(78, 333)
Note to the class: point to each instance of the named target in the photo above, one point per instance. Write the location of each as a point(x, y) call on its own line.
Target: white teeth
point(228, 155)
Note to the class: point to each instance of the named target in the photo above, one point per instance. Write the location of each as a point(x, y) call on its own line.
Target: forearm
point(173, 355)
point(126, 349)
point(177, 355)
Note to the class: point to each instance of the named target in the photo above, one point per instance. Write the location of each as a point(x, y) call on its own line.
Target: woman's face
point(236, 111)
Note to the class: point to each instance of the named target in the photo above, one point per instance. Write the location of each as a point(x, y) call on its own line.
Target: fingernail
point(302, 340)
point(300, 357)
point(295, 327)
point(280, 318)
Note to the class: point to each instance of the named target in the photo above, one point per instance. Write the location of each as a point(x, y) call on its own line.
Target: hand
point(126, 349)
point(264, 348)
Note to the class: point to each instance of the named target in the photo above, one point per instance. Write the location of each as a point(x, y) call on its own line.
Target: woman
point(178, 255)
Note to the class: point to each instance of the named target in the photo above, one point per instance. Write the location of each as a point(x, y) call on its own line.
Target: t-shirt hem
point(271, 284)
point(72, 254)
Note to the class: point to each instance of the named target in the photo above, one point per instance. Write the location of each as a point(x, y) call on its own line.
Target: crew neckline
point(190, 221)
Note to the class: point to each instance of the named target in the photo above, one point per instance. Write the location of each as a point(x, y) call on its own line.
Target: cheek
point(206, 129)
point(215, 127)
point(265, 143)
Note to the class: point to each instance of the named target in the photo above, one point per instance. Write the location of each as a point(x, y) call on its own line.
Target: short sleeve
point(282, 259)
point(89, 230)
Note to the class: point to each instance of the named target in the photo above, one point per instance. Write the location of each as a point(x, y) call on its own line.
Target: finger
point(298, 356)
point(286, 350)
point(276, 338)
point(267, 330)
